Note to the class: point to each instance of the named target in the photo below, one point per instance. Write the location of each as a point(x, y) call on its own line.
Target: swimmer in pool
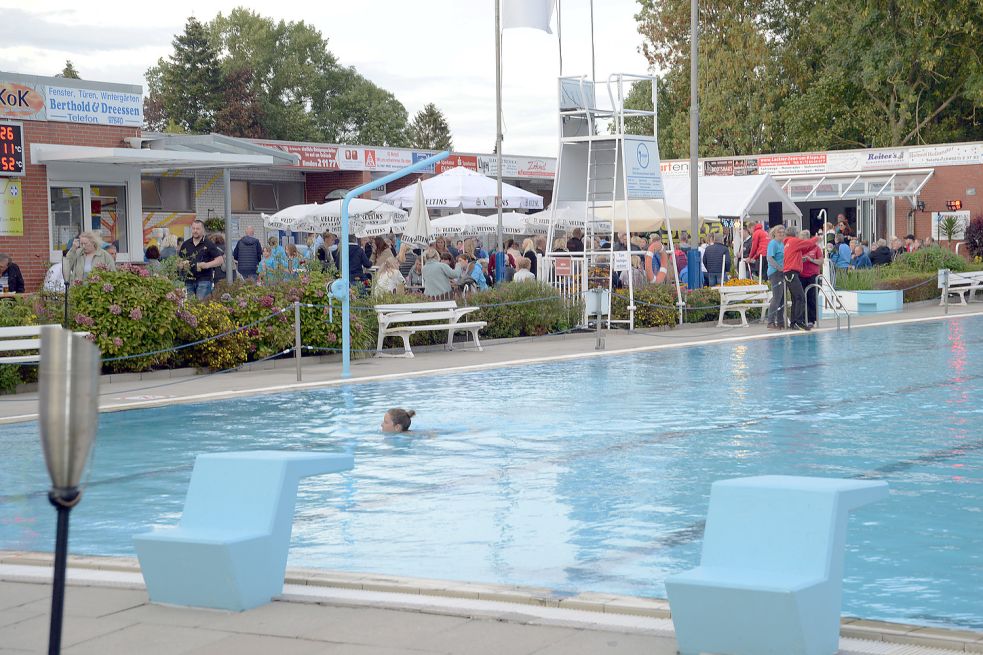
point(397, 420)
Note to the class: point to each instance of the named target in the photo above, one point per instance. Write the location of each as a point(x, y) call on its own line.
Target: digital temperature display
point(11, 149)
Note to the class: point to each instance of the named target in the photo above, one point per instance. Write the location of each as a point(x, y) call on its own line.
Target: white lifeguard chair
point(603, 176)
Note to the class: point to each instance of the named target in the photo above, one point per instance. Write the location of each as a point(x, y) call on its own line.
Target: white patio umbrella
point(460, 187)
point(418, 227)
point(473, 225)
point(520, 222)
point(368, 217)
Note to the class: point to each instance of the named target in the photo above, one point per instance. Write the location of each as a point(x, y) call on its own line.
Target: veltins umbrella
point(418, 228)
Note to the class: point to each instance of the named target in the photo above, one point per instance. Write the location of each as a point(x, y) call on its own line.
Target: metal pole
point(63, 507)
point(694, 144)
point(499, 270)
point(297, 347)
point(945, 290)
point(227, 183)
point(593, 61)
point(346, 331)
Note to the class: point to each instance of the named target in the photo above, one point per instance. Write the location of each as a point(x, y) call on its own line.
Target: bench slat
point(8, 345)
point(443, 326)
point(417, 306)
point(22, 331)
point(23, 359)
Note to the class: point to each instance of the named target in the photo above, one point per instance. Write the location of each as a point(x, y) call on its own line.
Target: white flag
point(527, 13)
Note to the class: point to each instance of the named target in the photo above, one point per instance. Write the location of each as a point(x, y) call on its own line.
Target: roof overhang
point(212, 143)
point(145, 159)
point(901, 183)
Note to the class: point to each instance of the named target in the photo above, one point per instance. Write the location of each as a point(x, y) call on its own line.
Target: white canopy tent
point(743, 196)
point(368, 217)
point(465, 189)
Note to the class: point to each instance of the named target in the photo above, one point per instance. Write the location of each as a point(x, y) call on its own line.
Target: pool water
point(589, 475)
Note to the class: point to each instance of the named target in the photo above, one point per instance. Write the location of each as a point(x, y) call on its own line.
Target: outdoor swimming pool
point(591, 475)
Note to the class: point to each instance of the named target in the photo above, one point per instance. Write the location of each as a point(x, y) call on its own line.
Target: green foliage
point(203, 320)
point(429, 130)
point(802, 75)
point(974, 237)
point(9, 378)
point(128, 313)
point(916, 287)
point(241, 112)
point(948, 226)
point(215, 224)
point(928, 260)
point(69, 72)
point(646, 314)
point(14, 312)
point(706, 302)
point(186, 90)
point(524, 317)
point(862, 279)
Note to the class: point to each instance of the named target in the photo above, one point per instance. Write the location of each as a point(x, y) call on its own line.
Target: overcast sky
point(440, 51)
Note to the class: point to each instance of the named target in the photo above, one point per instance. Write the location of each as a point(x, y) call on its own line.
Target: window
point(109, 214)
point(262, 196)
point(289, 194)
point(240, 196)
point(66, 216)
point(173, 194)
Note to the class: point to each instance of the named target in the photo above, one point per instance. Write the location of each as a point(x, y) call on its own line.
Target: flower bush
point(974, 238)
point(203, 320)
point(128, 312)
point(15, 312)
point(702, 304)
point(532, 309)
point(654, 306)
point(740, 282)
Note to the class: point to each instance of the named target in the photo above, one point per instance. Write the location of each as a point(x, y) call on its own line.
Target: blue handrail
point(346, 337)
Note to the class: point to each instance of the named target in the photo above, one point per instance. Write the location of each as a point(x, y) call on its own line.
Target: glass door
point(67, 215)
point(883, 224)
point(866, 220)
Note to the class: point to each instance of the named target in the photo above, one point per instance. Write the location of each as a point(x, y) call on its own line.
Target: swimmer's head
point(397, 420)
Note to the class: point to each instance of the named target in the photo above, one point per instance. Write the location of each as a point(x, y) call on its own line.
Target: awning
point(211, 143)
point(145, 159)
point(855, 186)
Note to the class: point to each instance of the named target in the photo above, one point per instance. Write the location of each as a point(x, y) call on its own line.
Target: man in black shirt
point(199, 258)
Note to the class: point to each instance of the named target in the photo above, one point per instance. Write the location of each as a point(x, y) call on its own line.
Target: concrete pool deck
point(108, 613)
point(133, 391)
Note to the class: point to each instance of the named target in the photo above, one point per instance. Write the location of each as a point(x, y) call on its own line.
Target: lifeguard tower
point(608, 182)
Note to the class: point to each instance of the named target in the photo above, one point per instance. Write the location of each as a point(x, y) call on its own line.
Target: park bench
point(962, 283)
point(742, 298)
point(407, 319)
point(230, 550)
point(771, 572)
point(23, 338)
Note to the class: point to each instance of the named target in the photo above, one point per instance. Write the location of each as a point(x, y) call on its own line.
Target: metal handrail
point(835, 306)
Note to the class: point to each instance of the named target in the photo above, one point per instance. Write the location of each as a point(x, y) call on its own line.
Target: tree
point(429, 130)
point(186, 90)
point(241, 114)
point(740, 86)
point(69, 72)
point(974, 237)
point(305, 94)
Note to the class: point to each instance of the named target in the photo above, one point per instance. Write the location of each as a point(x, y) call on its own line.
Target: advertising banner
point(884, 159)
point(420, 156)
point(72, 105)
point(11, 208)
point(642, 168)
point(945, 155)
point(469, 162)
point(792, 164)
point(718, 167)
point(517, 166)
point(313, 157)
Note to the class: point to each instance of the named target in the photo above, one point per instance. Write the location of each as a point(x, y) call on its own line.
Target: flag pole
point(500, 257)
point(695, 277)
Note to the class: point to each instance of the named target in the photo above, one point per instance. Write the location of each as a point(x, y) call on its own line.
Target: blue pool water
point(586, 475)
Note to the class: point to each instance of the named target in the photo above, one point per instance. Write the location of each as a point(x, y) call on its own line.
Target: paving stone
point(259, 645)
point(188, 617)
point(19, 594)
point(381, 627)
point(16, 615)
point(93, 601)
point(146, 640)
point(610, 643)
point(33, 633)
point(484, 637)
point(277, 619)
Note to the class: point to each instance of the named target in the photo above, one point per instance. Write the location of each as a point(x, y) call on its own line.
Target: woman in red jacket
point(759, 249)
point(795, 248)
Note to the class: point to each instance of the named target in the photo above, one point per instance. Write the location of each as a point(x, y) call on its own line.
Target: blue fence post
point(694, 269)
point(346, 336)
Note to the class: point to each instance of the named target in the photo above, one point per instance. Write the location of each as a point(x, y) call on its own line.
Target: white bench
point(962, 283)
point(742, 298)
point(23, 337)
point(408, 319)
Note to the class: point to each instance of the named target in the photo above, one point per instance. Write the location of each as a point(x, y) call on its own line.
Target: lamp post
point(68, 409)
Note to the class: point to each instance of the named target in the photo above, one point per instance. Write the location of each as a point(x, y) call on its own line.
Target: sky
point(440, 51)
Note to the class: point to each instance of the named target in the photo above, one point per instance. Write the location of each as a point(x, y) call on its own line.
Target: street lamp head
point(68, 384)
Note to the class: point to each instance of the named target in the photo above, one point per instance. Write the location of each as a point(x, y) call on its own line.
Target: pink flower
point(266, 301)
point(332, 338)
point(108, 288)
point(115, 310)
point(136, 314)
point(82, 319)
point(242, 303)
point(170, 295)
point(117, 342)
